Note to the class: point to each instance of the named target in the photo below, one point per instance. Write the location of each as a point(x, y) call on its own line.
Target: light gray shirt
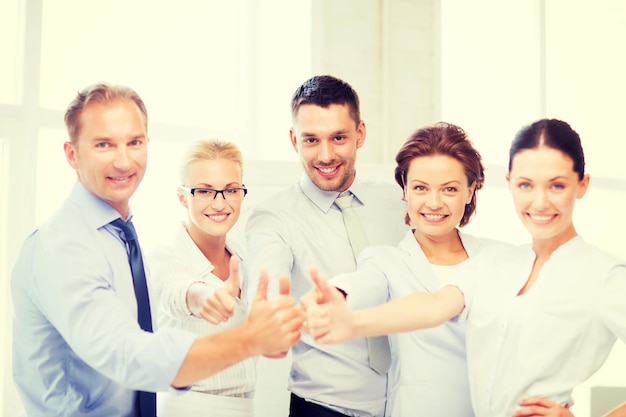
point(301, 227)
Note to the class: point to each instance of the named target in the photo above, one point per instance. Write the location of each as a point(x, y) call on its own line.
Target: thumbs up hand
point(274, 325)
point(219, 306)
point(328, 317)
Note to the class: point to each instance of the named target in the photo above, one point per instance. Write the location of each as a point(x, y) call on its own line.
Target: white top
point(550, 339)
point(300, 227)
point(428, 376)
point(174, 268)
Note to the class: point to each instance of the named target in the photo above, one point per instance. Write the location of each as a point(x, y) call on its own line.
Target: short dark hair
point(555, 134)
point(324, 90)
point(443, 139)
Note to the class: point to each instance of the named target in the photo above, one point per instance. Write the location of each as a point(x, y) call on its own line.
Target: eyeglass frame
point(192, 191)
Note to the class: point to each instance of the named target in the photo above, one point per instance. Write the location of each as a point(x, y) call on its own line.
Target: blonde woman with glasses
point(196, 279)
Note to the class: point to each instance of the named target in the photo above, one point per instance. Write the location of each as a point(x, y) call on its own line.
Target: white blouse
point(173, 269)
point(428, 376)
point(550, 339)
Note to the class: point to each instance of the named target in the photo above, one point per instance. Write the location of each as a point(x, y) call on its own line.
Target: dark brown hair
point(443, 139)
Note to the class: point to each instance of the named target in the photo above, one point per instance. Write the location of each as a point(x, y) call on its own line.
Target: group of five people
point(478, 327)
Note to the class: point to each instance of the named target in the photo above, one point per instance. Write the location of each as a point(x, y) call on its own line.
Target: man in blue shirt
point(78, 347)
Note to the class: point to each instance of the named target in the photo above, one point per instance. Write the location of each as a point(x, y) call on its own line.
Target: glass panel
point(11, 51)
point(55, 177)
point(585, 77)
point(490, 70)
point(284, 62)
point(185, 58)
point(5, 337)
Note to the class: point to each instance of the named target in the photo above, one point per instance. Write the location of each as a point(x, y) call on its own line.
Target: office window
point(187, 58)
point(11, 51)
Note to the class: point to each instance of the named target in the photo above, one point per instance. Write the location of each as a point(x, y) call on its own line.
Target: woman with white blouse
point(440, 173)
point(547, 314)
point(195, 280)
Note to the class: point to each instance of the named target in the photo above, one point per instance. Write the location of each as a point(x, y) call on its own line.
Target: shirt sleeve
point(611, 303)
point(367, 286)
point(171, 278)
point(268, 249)
point(76, 288)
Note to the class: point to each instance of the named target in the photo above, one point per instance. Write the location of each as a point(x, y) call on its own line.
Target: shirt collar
point(324, 200)
point(96, 211)
point(200, 262)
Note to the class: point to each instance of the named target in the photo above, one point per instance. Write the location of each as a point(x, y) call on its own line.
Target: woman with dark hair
point(439, 172)
point(548, 315)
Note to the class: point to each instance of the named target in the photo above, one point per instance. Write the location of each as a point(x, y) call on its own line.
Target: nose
point(219, 201)
point(434, 201)
point(122, 160)
point(326, 152)
point(540, 200)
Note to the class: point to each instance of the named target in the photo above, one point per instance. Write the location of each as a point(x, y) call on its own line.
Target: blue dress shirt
point(77, 347)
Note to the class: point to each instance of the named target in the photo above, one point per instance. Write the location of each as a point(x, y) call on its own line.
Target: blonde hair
point(207, 150)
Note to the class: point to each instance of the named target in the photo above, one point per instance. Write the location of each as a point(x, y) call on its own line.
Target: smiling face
point(436, 193)
point(110, 153)
point(217, 216)
point(327, 139)
point(544, 187)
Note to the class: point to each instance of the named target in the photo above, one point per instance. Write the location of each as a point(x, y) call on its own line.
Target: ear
point(70, 154)
point(182, 197)
point(470, 192)
point(294, 139)
point(360, 134)
point(583, 186)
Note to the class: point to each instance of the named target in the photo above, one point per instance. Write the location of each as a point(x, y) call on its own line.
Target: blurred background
point(227, 69)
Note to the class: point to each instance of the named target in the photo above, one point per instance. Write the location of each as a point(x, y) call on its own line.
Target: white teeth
point(218, 217)
point(434, 216)
point(540, 218)
point(326, 170)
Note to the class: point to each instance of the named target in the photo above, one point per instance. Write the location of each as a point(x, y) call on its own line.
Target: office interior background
point(209, 68)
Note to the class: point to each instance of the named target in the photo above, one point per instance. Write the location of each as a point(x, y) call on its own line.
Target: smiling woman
point(197, 283)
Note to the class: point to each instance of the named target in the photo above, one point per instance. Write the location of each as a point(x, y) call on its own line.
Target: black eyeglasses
point(206, 194)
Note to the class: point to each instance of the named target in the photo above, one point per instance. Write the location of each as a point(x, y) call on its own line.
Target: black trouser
point(299, 407)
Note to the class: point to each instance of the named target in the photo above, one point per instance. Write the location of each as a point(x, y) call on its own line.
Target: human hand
point(312, 298)
point(220, 306)
point(538, 406)
point(274, 325)
point(328, 317)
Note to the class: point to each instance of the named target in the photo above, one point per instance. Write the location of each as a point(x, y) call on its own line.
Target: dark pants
point(299, 407)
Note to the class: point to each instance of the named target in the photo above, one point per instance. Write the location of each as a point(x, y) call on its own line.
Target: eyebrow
point(444, 184)
point(558, 177)
point(335, 133)
point(206, 185)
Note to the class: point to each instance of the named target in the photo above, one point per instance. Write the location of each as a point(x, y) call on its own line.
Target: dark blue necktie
point(146, 401)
